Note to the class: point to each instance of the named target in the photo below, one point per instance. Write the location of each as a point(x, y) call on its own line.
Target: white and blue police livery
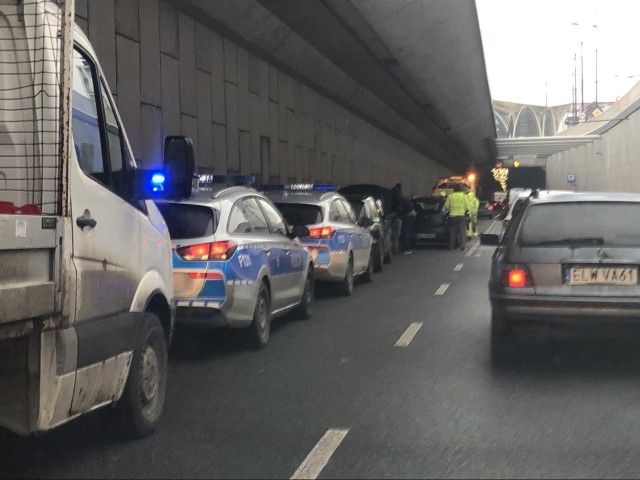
point(341, 248)
point(235, 261)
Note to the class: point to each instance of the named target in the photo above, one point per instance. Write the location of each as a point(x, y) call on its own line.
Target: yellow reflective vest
point(456, 204)
point(474, 203)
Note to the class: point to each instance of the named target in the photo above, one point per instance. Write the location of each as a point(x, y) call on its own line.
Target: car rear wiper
point(571, 241)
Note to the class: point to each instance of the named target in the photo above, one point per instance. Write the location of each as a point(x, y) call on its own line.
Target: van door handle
point(85, 220)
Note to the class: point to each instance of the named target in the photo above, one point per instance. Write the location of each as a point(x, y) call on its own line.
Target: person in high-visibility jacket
point(474, 206)
point(457, 206)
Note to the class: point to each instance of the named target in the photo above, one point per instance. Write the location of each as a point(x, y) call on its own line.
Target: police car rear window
point(300, 213)
point(189, 221)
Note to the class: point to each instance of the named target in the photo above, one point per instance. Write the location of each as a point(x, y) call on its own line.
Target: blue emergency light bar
point(207, 180)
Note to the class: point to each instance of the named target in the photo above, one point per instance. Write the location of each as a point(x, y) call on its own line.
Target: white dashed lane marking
point(442, 289)
point(318, 458)
point(472, 250)
point(408, 334)
point(458, 267)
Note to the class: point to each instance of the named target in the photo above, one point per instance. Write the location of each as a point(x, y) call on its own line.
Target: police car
point(235, 262)
point(341, 249)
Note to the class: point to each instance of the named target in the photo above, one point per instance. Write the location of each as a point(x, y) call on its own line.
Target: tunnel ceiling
point(413, 68)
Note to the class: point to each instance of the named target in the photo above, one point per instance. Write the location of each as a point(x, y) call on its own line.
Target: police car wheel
point(138, 411)
point(258, 331)
point(346, 285)
point(305, 310)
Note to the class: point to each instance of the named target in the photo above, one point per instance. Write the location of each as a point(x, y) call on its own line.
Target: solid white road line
point(472, 250)
point(318, 458)
point(458, 267)
point(442, 289)
point(408, 335)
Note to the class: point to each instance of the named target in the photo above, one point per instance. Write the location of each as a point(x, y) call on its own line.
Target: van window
point(189, 221)
point(115, 146)
point(85, 125)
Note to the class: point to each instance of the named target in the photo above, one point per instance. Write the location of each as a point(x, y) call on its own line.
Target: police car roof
point(301, 196)
point(208, 196)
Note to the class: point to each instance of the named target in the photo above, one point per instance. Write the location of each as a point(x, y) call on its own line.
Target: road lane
point(435, 409)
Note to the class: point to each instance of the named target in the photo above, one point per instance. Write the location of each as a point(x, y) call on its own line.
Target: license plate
point(603, 276)
point(425, 235)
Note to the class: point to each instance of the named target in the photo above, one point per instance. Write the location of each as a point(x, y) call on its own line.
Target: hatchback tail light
point(322, 232)
point(208, 251)
point(516, 276)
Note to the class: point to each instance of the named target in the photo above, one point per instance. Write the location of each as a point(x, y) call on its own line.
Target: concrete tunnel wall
point(608, 164)
point(171, 75)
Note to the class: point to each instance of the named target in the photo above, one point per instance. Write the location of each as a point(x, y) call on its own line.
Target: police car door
point(344, 224)
point(264, 241)
point(361, 238)
point(297, 255)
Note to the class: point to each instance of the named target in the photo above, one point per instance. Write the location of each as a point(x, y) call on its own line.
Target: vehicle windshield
point(583, 223)
point(357, 206)
point(300, 213)
point(189, 221)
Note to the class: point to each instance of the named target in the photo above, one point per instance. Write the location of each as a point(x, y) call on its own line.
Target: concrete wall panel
point(127, 19)
point(188, 97)
point(243, 90)
point(245, 152)
point(218, 106)
point(205, 141)
point(128, 86)
point(233, 154)
point(219, 133)
point(151, 92)
point(152, 137)
point(169, 39)
point(203, 48)
point(230, 61)
point(189, 128)
point(170, 72)
point(102, 34)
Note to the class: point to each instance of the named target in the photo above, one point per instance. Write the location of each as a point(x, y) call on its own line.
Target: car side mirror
point(365, 222)
point(299, 231)
point(491, 239)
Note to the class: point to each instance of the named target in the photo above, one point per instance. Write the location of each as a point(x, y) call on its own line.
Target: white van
point(85, 256)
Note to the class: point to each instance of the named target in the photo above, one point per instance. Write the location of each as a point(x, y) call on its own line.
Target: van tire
point(257, 334)
point(305, 309)
point(138, 412)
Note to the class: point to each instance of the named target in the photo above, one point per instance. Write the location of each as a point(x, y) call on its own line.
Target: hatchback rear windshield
point(189, 221)
point(582, 224)
point(429, 205)
point(300, 213)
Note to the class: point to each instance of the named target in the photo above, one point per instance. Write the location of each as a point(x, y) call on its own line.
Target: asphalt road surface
point(393, 382)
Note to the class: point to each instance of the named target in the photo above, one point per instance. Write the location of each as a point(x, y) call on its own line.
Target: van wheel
point(378, 259)
point(305, 309)
point(346, 285)
point(257, 333)
point(137, 413)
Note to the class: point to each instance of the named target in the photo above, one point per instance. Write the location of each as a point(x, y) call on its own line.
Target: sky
point(529, 48)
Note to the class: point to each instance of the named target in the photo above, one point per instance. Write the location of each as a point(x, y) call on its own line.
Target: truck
point(86, 282)
point(445, 185)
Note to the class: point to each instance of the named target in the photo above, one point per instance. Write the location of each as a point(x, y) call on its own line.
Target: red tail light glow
point(321, 232)
point(208, 251)
point(517, 278)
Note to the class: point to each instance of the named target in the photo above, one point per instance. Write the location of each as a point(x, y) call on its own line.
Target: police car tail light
point(321, 232)
point(208, 251)
point(222, 250)
point(517, 276)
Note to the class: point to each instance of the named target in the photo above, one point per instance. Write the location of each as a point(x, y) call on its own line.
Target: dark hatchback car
point(431, 220)
point(366, 207)
point(567, 260)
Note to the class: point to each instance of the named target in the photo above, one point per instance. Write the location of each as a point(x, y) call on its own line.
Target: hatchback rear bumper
point(567, 310)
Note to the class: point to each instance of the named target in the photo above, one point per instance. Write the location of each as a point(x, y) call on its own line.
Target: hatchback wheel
point(258, 332)
point(305, 310)
point(346, 285)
